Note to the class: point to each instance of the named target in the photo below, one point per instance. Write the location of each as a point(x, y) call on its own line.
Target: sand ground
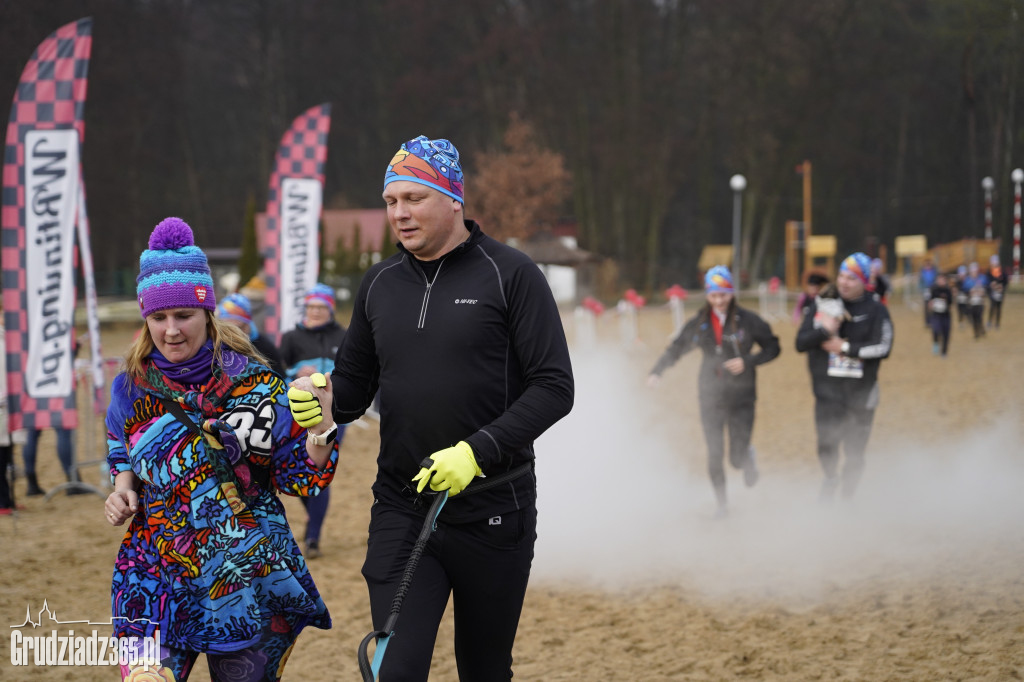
point(918, 578)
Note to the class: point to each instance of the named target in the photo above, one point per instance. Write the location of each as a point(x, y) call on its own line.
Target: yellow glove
point(304, 405)
point(452, 470)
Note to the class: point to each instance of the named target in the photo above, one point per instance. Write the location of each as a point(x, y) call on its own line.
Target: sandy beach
point(917, 578)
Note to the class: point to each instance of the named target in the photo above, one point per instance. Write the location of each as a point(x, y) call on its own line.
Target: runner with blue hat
point(727, 383)
point(844, 355)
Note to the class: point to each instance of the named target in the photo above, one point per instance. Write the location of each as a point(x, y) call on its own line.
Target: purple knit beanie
point(173, 272)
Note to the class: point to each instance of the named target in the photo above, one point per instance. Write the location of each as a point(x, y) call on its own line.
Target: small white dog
point(828, 304)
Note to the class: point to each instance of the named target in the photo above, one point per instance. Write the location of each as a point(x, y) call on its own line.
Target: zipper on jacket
point(426, 297)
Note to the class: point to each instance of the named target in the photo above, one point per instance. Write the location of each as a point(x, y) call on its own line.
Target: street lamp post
point(1018, 177)
point(738, 183)
point(987, 183)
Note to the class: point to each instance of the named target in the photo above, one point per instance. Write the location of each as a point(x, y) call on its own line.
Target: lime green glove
point(452, 470)
point(304, 405)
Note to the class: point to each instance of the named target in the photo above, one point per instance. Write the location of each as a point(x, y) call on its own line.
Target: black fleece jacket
point(869, 332)
point(742, 330)
point(475, 353)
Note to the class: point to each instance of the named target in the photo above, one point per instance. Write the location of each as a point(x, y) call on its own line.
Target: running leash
point(370, 670)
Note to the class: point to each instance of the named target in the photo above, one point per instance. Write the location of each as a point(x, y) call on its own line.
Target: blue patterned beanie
point(173, 271)
point(434, 163)
point(857, 264)
point(320, 293)
point(718, 278)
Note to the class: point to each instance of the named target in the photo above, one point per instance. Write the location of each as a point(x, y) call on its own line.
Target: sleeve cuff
point(118, 468)
point(484, 450)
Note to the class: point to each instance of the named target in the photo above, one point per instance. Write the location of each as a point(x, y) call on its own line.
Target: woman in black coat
point(727, 383)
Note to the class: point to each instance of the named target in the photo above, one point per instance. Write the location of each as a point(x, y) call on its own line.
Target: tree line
point(641, 110)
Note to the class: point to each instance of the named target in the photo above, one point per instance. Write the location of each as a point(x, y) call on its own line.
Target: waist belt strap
point(481, 484)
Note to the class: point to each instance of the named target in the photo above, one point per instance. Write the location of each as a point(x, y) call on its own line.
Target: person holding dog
point(463, 338)
point(844, 354)
point(727, 385)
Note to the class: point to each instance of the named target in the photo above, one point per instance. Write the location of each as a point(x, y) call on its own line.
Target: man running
point(843, 355)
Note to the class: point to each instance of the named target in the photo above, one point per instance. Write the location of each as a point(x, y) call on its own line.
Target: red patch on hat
point(201, 293)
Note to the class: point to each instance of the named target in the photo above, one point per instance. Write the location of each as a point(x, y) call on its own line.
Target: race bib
point(843, 366)
point(939, 305)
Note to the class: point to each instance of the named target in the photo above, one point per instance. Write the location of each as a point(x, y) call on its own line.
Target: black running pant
point(849, 427)
point(483, 565)
point(995, 312)
point(716, 417)
point(940, 330)
point(978, 320)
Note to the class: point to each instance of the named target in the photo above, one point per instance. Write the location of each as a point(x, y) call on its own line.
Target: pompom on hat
point(718, 278)
point(173, 271)
point(434, 163)
point(857, 264)
point(320, 293)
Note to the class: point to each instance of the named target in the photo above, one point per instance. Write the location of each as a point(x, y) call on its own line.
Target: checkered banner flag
point(41, 179)
point(292, 255)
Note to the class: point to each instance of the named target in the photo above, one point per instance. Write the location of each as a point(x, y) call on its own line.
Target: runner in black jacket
point(843, 357)
point(727, 383)
point(940, 306)
point(314, 342)
point(998, 280)
point(463, 338)
point(305, 350)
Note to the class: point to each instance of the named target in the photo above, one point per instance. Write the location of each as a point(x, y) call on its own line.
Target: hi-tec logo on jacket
point(467, 301)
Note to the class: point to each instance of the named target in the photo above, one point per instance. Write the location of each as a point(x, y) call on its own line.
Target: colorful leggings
point(262, 662)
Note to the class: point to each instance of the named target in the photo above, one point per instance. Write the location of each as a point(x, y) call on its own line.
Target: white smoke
point(623, 505)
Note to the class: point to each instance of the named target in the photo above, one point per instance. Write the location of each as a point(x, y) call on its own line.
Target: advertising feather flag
point(38, 216)
point(292, 256)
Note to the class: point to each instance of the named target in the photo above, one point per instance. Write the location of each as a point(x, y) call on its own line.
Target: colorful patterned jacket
point(202, 560)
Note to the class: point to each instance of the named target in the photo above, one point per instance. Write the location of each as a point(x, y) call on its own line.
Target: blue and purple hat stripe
point(173, 272)
point(718, 278)
point(322, 293)
point(237, 307)
point(857, 264)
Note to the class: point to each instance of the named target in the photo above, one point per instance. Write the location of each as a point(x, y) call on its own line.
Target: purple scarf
point(196, 371)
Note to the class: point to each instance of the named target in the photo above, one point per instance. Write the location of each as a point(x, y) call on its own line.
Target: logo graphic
point(62, 646)
point(201, 293)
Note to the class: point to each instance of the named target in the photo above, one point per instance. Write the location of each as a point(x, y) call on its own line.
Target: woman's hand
point(734, 366)
point(122, 504)
point(302, 393)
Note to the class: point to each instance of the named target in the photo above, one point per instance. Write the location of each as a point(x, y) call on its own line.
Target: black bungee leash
point(370, 669)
